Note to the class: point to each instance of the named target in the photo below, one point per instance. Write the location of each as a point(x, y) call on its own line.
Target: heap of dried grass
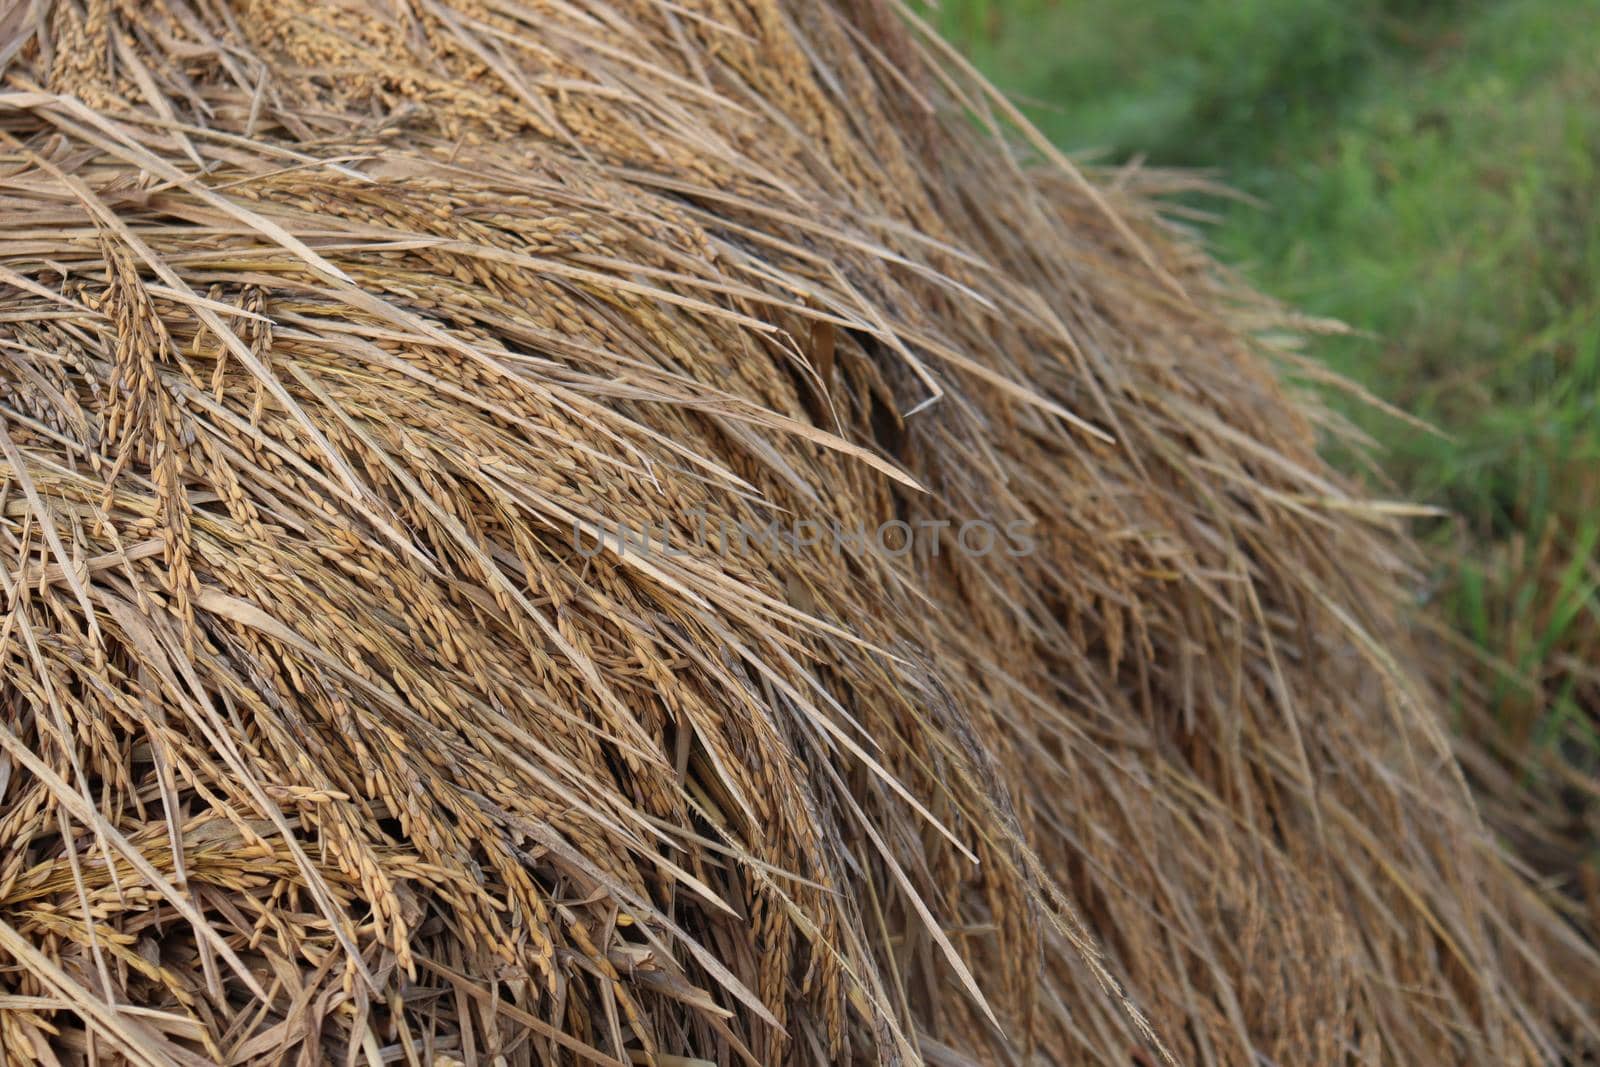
point(325, 325)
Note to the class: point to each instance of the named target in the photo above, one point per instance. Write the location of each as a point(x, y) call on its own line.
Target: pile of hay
point(380, 384)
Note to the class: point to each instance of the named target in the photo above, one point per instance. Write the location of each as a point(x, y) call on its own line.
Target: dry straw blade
point(342, 345)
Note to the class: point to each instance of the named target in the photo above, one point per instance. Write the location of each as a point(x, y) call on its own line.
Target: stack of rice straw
point(371, 692)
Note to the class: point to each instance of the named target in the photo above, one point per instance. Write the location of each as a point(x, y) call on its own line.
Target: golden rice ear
point(680, 533)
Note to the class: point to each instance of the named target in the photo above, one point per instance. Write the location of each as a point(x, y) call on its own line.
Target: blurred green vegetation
point(1429, 173)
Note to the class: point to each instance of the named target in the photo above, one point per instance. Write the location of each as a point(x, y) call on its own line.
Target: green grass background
point(1429, 173)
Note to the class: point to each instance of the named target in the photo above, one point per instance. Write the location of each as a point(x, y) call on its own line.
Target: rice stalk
point(351, 356)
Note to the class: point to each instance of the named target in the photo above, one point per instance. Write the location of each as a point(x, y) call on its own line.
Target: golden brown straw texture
point(324, 739)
